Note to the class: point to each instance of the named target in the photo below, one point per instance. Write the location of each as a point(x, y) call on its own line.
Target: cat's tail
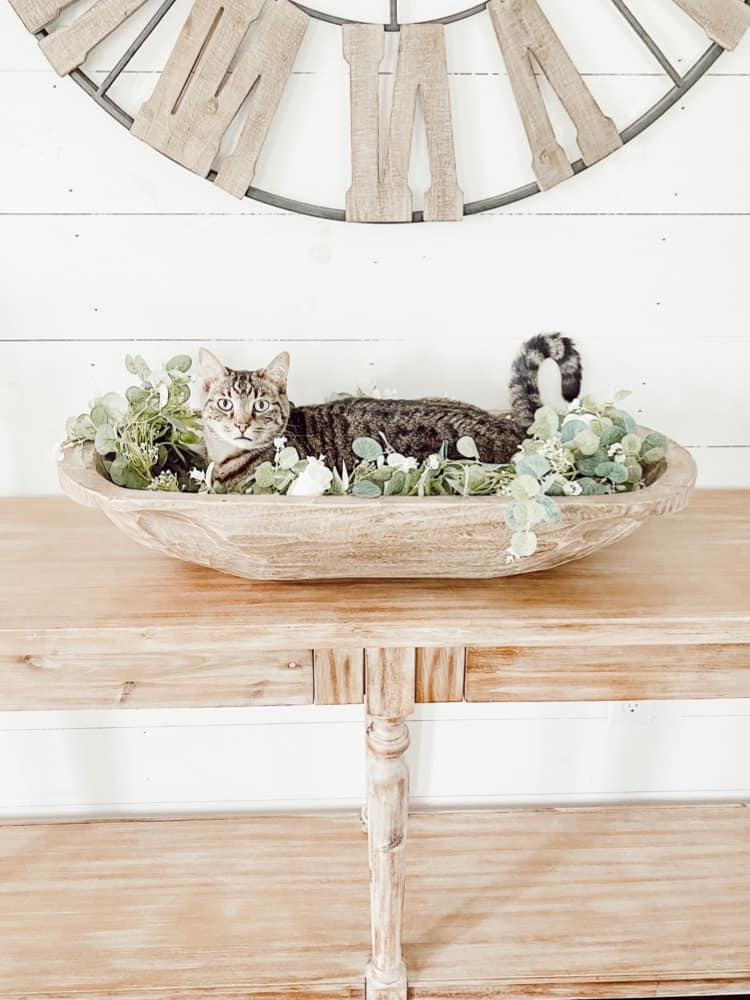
point(524, 380)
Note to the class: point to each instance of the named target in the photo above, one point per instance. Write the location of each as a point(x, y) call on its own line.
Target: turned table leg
point(389, 700)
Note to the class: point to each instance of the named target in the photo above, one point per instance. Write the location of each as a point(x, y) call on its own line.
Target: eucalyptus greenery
point(150, 439)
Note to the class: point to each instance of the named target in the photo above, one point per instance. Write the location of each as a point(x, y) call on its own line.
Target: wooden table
point(610, 901)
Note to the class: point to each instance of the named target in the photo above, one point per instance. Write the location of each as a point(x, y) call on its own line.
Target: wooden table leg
point(389, 700)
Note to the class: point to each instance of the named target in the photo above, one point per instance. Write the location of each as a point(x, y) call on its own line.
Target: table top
point(69, 578)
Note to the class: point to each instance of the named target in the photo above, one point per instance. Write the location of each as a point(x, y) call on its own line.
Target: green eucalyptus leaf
point(137, 366)
point(571, 429)
point(532, 465)
point(523, 544)
point(364, 488)
point(99, 415)
point(651, 456)
point(115, 405)
point(105, 440)
point(397, 483)
point(586, 442)
point(551, 510)
point(136, 395)
point(368, 449)
point(288, 458)
point(180, 363)
point(525, 487)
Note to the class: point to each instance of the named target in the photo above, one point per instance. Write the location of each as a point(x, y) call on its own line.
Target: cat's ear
point(210, 366)
point(277, 371)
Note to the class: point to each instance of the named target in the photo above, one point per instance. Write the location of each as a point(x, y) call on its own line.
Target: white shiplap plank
point(211, 761)
point(98, 277)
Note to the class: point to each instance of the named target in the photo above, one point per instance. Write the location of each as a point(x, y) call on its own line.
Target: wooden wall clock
point(230, 62)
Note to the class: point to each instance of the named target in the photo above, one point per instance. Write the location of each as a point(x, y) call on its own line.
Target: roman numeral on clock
point(383, 195)
point(724, 21)
point(200, 91)
point(67, 47)
point(523, 31)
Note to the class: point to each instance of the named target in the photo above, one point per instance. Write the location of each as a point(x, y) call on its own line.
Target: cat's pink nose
point(242, 427)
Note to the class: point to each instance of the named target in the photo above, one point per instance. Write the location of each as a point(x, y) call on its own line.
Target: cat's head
point(245, 410)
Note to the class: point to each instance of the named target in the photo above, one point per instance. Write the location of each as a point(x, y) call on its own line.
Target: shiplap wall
point(105, 248)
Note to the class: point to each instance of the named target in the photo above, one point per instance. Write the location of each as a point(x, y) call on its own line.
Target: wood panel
point(390, 682)
point(609, 902)
point(681, 580)
point(197, 96)
point(616, 673)
point(339, 676)
point(67, 47)
point(184, 678)
point(35, 14)
point(523, 31)
point(724, 21)
point(422, 73)
point(440, 674)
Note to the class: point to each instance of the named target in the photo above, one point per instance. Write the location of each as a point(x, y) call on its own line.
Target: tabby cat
point(245, 410)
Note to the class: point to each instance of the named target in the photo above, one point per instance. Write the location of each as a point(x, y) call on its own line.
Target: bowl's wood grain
point(307, 538)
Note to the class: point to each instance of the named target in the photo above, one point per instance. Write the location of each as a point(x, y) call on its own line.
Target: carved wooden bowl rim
point(82, 483)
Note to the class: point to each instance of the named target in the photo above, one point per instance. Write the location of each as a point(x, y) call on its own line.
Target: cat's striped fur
point(244, 411)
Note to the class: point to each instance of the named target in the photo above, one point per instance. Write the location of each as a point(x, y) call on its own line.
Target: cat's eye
point(262, 405)
point(224, 403)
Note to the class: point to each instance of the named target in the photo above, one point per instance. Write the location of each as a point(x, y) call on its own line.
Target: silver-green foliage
point(150, 437)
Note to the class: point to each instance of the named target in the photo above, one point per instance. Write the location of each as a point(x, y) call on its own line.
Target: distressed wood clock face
point(222, 81)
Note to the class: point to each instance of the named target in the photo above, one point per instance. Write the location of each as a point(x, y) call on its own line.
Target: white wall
point(106, 248)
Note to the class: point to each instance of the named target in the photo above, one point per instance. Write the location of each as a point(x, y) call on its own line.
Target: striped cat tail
point(524, 380)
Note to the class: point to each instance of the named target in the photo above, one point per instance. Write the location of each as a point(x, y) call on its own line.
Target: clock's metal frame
point(681, 84)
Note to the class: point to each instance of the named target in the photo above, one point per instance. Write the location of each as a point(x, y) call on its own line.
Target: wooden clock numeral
point(522, 31)
point(200, 92)
point(422, 72)
point(66, 48)
point(724, 21)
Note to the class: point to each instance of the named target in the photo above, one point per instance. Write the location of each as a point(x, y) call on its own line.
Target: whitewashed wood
point(422, 72)
point(440, 674)
point(390, 684)
point(339, 676)
point(523, 31)
point(67, 47)
point(35, 14)
point(184, 678)
point(330, 537)
point(127, 923)
point(724, 21)
point(195, 101)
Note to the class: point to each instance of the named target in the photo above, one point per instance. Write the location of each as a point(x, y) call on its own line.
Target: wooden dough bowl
point(308, 538)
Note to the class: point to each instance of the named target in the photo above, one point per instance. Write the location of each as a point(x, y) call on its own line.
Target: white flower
point(433, 462)
point(197, 475)
point(397, 461)
point(572, 489)
point(159, 377)
point(313, 481)
point(279, 444)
